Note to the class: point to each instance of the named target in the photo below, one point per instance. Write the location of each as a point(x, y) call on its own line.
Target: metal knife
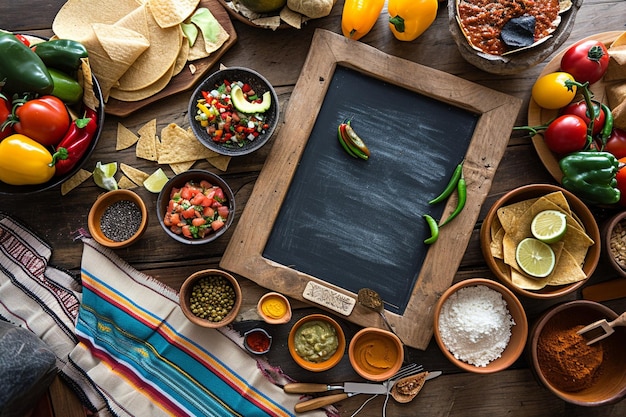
point(349, 388)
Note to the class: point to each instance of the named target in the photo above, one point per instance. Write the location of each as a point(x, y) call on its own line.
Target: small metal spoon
point(371, 299)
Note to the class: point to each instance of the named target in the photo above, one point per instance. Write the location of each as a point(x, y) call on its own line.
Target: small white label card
point(329, 298)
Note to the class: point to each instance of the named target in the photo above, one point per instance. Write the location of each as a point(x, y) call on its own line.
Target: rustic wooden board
point(185, 80)
point(538, 116)
point(496, 115)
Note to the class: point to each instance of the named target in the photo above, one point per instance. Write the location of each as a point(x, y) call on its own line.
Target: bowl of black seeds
point(117, 218)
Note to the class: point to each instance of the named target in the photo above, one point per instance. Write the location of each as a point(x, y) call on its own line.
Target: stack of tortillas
point(615, 79)
point(135, 47)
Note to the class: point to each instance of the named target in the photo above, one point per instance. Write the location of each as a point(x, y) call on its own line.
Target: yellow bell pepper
point(24, 161)
point(408, 19)
point(359, 16)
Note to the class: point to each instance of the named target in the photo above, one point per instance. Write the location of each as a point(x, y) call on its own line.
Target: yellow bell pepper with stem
point(408, 19)
point(24, 161)
point(359, 16)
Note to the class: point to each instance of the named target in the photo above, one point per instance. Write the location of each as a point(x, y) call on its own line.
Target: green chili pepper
point(343, 144)
point(434, 229)
point(461, 189)
point(21, 69)
point(452, 184)
point(62, 54)
point(607, 129)
point(65, 87)
point(591, 176)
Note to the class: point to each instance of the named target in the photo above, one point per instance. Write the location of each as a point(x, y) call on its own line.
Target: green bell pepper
point(65, 87)
point(21, 70)
point(62, 54)
point(590, 175)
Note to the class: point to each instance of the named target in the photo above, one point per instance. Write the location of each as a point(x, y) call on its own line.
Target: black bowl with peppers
point(219, 125)
point(50, 75)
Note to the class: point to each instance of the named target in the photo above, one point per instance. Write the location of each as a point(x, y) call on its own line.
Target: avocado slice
point(244, 106)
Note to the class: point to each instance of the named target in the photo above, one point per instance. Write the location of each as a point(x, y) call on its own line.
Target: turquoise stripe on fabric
point(177, 374)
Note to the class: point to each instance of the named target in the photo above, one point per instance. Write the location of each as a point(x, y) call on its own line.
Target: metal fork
point(405, 371)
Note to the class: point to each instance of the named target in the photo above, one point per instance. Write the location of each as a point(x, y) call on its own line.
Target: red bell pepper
point(76, 142)
point(6, 129)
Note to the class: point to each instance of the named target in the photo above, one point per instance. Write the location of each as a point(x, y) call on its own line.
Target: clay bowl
point(100, 206)
point(265, 311)
point(178, 181)
point(612, 229)
point(372, 344)
point(332, 360)
point(518, 61)
point(609, 386)
point(519, 331)
point(580, 211)
point(186, 291)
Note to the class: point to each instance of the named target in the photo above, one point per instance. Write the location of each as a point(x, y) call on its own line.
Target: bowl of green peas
point(210, 298)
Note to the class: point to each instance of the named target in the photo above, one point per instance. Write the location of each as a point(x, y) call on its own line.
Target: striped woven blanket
point(131, 351)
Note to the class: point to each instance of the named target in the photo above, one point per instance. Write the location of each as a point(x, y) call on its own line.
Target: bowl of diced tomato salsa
point(196, 207)
point(234, 111)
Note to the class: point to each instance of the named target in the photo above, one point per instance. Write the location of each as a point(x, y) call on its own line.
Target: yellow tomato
point(552, 92)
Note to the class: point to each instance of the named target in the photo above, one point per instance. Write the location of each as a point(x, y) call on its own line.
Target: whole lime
point(264, 6)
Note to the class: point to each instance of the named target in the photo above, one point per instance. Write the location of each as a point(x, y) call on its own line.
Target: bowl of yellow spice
point(274, 308)
point(316, 342)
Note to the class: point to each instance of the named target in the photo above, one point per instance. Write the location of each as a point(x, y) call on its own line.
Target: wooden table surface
point(280, 55)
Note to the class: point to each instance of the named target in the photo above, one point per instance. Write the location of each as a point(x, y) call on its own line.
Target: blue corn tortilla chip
point(519, 32)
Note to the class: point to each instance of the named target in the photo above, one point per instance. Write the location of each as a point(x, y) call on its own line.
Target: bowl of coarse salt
point(480, 326)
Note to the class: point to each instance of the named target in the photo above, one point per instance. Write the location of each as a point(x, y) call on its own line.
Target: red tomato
point(621, 182)
point(44, 119)
point(616, 144)
point(580, 109)
point(586, 60)
point(566, 134)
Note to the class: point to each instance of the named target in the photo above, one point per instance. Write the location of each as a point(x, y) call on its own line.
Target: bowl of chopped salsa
point(196, 207)
point(234, 111)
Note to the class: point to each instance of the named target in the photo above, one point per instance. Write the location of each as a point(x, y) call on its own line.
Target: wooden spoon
point(405, 389)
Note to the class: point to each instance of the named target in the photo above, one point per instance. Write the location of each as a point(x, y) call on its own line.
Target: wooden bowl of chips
point(508, 222)
point(269, 117)
point(519, 53)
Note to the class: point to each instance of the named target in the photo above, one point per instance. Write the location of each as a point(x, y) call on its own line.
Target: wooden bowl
point(187, 288)
point(581, 212)
point(376, 354)
point(518, 61)
point(332, 360)
point(610, 384)
point(519, 331)
point(609, 253)
point(102, 203)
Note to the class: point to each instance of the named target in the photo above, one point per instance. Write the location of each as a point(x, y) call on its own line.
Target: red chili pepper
point(23, 39)
point(207, 96)
point(246, 88)
point(6, 129)
point(76, 142)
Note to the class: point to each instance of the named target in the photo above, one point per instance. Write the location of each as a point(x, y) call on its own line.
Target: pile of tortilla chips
point(615, 79)
point(136, 47)
point(512, 225)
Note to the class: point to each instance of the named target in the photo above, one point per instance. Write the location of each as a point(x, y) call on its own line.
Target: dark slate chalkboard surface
point(356, 223)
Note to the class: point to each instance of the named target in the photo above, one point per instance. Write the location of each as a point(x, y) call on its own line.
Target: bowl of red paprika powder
point(257, 341)
point(581, 374)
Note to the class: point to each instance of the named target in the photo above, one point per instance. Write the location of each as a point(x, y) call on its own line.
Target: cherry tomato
point(621, 182)
point(552, 92)
point(580, 109)
point(616, 144)
point(586, 61)
point(566, 134)
point(44, 119)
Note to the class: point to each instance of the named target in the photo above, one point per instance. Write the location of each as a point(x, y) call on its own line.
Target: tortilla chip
point(148, 142)
point(125, 183)
point(74, 181)
point(74, 19)
point(292, 18)
point(168, 13)
point(181, 166)
point(180, 145)
point(125, 138)
point(143, 93)
point(135, 175)
point(270, 22)
point(497, 244)
point(85, 79)
point(220, 161)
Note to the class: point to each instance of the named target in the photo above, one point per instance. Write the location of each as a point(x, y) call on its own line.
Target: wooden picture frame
point(495, 116)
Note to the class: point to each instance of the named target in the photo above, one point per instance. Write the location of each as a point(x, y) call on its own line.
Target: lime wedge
point(549, 226)
point(103, 175)
point(535, 258)
point(155, 182)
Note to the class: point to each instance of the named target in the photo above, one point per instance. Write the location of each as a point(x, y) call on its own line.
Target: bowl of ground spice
point(210, 298)
point(480, 326)
point(274, 308)
point(581, 374)
point(375, 354)
point(117, 218)
point(614, 242)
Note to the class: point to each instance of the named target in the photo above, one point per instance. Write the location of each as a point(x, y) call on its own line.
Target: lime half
point(155, 182)
point(103, 175)
point(549, 226)
point(536, 258)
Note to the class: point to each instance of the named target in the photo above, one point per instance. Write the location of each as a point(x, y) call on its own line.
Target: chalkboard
point(356, 223)
point(320, 225)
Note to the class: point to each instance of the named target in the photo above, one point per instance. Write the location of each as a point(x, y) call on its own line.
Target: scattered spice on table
point(618, 244)
point(258, 341)
point(121, 220)
point(566, 360)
